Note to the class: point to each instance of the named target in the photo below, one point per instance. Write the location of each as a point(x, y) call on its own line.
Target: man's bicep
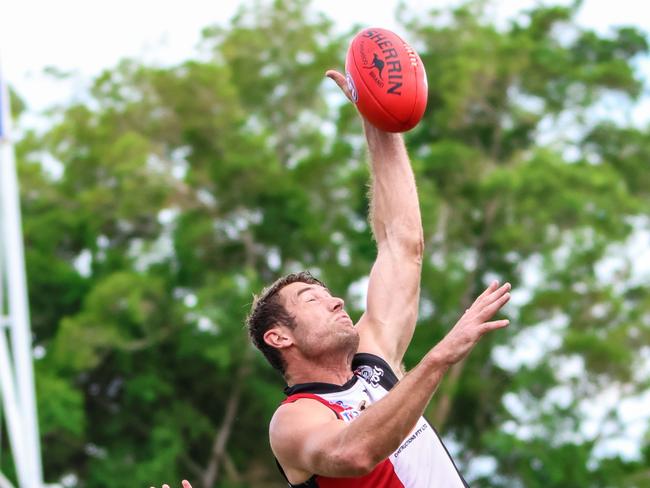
point(387, 326)
point(305, 438)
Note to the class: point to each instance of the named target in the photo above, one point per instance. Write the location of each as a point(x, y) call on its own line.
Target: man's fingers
point(491, 287)
point(491, 293)
point(340, 81)
point(498, 293)
point(186, 484)
point(337, 77)
point(494, 294)
point(495, 324)
point(494, 307)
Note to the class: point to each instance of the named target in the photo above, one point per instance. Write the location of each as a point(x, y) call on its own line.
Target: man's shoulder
point(295, 421)
point(303, 407)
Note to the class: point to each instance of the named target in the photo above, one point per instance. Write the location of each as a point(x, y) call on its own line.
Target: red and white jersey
point(421, 461)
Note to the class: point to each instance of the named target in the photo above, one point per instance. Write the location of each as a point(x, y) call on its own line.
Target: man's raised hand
point(340, 80)
point(475, 322)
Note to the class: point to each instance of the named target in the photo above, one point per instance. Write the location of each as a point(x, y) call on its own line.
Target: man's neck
point(327, 371)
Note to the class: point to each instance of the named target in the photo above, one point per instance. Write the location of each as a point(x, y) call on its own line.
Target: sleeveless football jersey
point(421, 461)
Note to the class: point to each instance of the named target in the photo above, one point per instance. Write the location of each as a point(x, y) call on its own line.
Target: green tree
point(505, 204)
point(184, 189)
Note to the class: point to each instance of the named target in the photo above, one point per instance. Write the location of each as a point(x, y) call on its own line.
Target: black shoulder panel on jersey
point(374, 369)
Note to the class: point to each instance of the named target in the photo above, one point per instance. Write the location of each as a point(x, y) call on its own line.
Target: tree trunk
point(211, 474)
point(443, 402)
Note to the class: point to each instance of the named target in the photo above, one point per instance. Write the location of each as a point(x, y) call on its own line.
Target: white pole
point(4, 482)
point(12, 413)
point(17, 293)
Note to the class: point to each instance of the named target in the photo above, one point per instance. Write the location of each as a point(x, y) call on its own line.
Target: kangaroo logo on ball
point(377, 63)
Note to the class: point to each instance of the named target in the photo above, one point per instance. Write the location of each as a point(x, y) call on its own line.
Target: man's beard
point(340, 346)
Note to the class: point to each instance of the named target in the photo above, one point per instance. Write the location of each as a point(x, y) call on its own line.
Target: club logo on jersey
point(372, 374)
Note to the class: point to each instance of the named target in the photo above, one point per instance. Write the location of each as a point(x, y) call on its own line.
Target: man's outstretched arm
point(307, 439)
point(387, 326)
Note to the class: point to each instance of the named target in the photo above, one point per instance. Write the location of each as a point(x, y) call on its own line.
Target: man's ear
point(278, 337)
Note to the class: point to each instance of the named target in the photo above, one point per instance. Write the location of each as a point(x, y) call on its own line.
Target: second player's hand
point(474, 323)
point(185, 483)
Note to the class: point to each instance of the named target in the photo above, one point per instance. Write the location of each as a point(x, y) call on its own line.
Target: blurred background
point(166, 178)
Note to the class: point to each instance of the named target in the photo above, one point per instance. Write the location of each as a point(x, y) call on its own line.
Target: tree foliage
point(183, 190)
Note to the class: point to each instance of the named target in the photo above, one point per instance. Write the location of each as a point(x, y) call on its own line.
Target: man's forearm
point(383, 426)
point(395, 210)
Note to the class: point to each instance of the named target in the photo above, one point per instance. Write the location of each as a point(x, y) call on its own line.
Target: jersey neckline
point(316, 387)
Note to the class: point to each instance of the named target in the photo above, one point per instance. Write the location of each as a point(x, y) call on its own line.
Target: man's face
point(322, 326)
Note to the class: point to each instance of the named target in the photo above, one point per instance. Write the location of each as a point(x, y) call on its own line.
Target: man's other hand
point(475, 322)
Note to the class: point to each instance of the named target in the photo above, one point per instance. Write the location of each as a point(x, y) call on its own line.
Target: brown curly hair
point(268, 310)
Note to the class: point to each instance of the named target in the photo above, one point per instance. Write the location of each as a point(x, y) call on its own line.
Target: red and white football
point(387, 80)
